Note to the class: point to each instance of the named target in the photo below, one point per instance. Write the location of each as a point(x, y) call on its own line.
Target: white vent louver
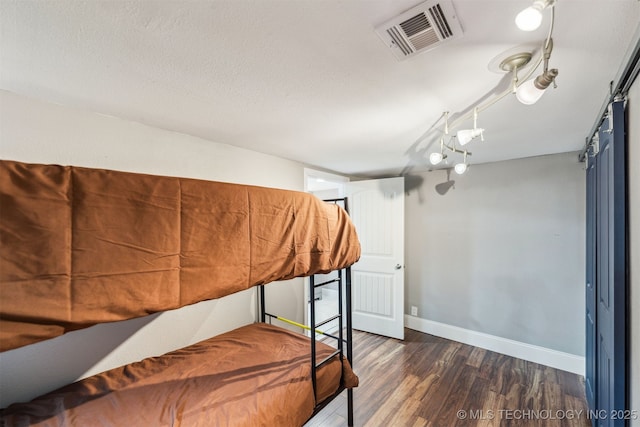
point(420, 29)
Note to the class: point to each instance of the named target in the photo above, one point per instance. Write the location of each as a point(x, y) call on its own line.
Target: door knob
point(398, 266)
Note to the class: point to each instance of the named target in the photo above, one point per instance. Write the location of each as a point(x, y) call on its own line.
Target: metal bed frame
point(344, 338)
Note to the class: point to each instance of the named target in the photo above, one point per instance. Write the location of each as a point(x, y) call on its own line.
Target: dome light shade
point(460, 168)
point(466, 135)
point(528, 93)
point(532, 90)
point(435, 158)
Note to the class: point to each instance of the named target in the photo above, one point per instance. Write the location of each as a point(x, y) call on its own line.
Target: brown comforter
point(83, 246)
point(257, 375)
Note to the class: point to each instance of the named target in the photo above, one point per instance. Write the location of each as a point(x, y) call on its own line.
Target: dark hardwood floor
point(431, 381)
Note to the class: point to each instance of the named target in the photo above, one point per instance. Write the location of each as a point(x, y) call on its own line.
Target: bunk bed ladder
point(345, 334)
point(345, 331)
point(343, 338)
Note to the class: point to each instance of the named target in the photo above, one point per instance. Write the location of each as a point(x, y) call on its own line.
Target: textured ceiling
point(310, 80)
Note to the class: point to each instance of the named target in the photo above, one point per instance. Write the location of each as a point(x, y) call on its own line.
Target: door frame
point(379, 275)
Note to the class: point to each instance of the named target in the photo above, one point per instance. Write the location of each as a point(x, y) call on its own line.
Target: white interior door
point(377, 210)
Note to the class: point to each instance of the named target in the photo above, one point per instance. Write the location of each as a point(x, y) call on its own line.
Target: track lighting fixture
point(513, 63)
point(466, 135)
point(528, 92)
point(531, 18)
point(461, 168)
point(437, 157)
point(532, 90)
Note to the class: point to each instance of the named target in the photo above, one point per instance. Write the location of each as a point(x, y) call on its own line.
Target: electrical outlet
point(414, 310)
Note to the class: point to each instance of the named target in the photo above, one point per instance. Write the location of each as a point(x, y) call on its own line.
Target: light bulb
point(528, 93)
point(466, 135)
point(530, 18)
point(435, 158)
point(460, 168)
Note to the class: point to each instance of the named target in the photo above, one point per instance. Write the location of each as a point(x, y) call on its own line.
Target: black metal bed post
point(349, 341)
point(340, 314)
point(312, 324)
point(263, 317)
point(349, 330)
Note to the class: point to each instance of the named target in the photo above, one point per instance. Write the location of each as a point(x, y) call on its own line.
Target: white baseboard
point(533, 353)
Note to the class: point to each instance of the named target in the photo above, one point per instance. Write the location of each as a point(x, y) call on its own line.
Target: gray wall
point(633, 115)
point(502, 252)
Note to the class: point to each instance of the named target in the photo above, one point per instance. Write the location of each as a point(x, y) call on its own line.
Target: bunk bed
point(84, 246)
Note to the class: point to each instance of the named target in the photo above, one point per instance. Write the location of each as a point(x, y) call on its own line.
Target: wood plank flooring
point(426, 381)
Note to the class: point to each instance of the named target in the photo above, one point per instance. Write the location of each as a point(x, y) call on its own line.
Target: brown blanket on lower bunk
point(256, 375)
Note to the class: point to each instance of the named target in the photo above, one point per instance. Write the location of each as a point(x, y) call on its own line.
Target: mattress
point(256, 375)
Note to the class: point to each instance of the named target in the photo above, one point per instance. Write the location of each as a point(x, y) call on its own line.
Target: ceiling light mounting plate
point(515, 61)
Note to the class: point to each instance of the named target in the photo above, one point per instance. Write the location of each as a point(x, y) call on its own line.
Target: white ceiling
point(309, 80)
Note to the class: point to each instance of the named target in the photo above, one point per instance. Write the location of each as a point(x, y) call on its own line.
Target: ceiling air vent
point(420, 29)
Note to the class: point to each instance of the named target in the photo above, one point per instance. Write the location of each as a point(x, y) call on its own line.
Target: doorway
point(325, 186)
point(377, 210)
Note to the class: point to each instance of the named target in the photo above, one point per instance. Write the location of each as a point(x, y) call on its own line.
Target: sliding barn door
point(590, 278)
point(606, 268)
